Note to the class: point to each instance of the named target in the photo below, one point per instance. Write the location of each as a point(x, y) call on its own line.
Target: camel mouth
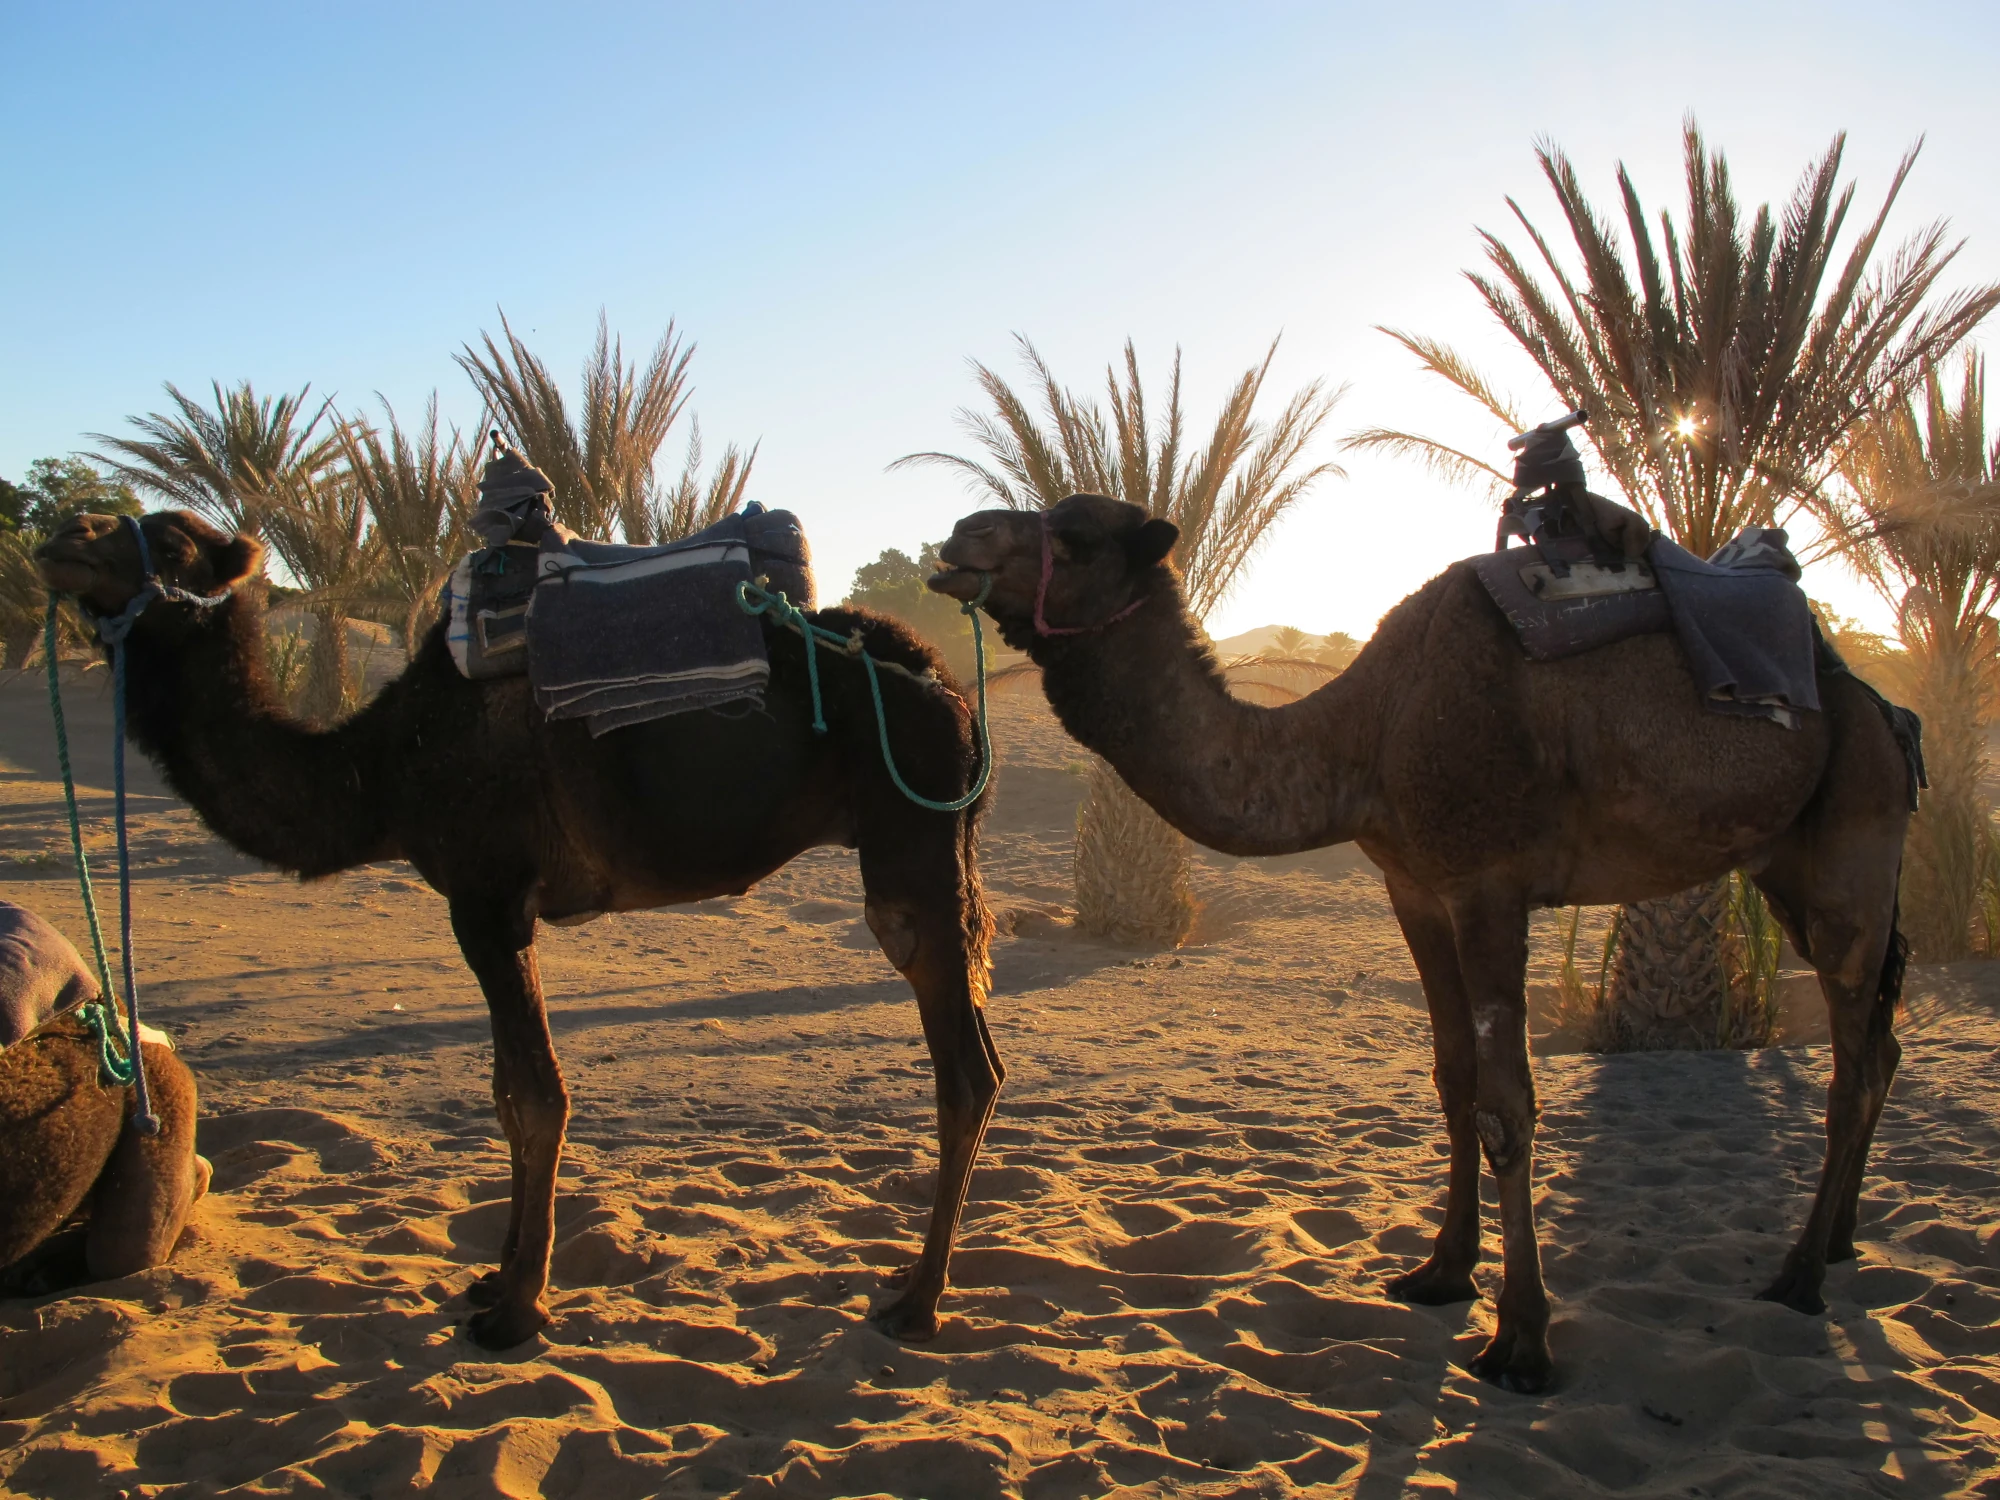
point(955, 583)
point(66, 567)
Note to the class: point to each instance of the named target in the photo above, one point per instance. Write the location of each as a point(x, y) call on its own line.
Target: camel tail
point(1895, 960)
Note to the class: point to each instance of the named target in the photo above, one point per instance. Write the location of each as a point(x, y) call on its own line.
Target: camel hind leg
point(926, 910)
point(1447, 1275)
point(1833, 886)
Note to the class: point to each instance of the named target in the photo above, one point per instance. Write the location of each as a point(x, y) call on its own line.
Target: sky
point(841, 206)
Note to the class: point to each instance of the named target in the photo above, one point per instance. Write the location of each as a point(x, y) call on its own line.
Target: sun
point(1686, 427)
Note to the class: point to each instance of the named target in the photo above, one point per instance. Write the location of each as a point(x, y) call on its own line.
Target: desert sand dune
point(1203, 1168)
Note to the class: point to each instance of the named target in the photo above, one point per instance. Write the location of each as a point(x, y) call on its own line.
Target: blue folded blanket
point(620, 635)
point(1744, 624)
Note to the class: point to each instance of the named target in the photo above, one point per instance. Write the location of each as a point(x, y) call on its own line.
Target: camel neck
point(1148, 696)
point(200, 704)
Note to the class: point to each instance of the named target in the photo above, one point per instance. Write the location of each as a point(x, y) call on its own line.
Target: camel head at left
point(1085, 562)
point(96, 558)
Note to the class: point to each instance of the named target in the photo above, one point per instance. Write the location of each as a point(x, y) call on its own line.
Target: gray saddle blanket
point(1742, 620)
point(42, 975)
point(618, 635)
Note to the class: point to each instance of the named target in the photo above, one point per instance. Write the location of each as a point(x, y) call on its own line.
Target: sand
point(1169, 1279)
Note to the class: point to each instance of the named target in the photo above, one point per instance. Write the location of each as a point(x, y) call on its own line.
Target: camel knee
point(895, 933)
point(1506, 1136)
point(541, 1117)
point(1457, 1084)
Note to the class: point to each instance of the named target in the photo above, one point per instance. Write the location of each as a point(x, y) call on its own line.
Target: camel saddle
point(1741, 618)
point(623, 633)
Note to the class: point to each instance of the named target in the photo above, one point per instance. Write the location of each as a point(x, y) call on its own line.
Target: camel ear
point(235, 560)
point(1151, 542)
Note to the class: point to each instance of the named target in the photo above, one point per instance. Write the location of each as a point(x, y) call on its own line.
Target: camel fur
point(67, 1144)
point(1485, 785)
point(514, 819)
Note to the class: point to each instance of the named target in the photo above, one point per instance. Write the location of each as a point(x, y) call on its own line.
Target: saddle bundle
point(616, 635)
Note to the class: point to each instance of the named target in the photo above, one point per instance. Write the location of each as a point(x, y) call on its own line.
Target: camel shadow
point(1669, 1188)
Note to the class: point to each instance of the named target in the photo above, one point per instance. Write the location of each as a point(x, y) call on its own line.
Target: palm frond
point(221, 461)
point(1725, 360)
point(601, 458)
point(1224, 496)
point(1441, 459)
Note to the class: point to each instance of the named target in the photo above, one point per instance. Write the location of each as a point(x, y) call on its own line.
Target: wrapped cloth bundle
point(620, 635)
point(42, 976)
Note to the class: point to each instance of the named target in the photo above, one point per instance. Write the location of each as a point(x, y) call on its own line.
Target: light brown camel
point(66, 1143)
point(513, 818)
point(1484, 785)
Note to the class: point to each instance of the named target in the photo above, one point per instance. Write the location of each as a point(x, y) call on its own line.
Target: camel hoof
point(906, 1322)
point(1796, 1291)
point(1430, 1286)
point(1514, 1366)
point(503, 1327)
point(484, 1290)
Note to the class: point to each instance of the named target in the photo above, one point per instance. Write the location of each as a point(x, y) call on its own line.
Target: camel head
point(96, 558)
point(1084, 563)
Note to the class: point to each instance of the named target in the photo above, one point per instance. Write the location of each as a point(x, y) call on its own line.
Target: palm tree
point(1922, 522)
point(23, 597)
point(420, 489)
point(601, 463)
point(1132, 870)
point(1723, 366)
point(318, 525)
point(223, 462)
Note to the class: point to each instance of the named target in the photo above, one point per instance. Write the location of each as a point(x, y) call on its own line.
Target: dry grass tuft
point(1132, 869)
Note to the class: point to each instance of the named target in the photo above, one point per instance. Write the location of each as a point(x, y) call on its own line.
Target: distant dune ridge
point(1204, 1166)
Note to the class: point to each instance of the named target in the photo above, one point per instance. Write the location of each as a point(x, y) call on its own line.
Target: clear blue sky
point(841, 203)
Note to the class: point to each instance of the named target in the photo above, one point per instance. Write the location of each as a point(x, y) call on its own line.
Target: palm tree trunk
point(1132, 868)
point(326, 667)
point(1669, 989)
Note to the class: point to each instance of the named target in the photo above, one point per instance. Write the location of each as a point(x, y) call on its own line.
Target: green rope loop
point(113, 1065)
point(754, 600)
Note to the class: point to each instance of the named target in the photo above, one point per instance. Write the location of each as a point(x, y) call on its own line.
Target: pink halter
point(1042, 625)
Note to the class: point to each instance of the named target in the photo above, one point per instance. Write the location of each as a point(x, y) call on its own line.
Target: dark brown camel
point(512, 818)
point(1484, 785)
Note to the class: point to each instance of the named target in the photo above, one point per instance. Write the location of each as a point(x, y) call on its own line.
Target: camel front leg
point(1447, 1276)
point(932, 949)
point(533, 1106)
point(1492, 941)
point(485, 1290)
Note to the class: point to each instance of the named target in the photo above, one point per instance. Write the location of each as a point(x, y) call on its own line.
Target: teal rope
point(757, 601)
point(113, 1066)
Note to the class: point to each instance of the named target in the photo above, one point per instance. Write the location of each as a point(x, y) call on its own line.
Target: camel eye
point(1075, 544)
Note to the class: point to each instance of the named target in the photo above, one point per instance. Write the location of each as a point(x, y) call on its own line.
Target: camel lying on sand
point(67, 1141)
point(1485, 785)
point(514, 817)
